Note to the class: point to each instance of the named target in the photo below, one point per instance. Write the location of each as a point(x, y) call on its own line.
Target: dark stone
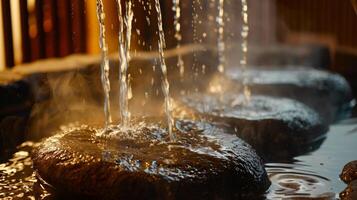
point(16, 101)
point(349, 172)
point(204, 163)
point(329, 94)
point(14, 97)
point(277, 128)
point(350, 193)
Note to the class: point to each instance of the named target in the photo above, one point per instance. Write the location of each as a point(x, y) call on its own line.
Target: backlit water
point(314, 175)
point(105, 61)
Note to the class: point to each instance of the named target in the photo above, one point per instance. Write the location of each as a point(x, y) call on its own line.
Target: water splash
point(105, 62)
point(244, 47)
point(124, 57)
point(220, 38)
point(165, 82)
point(177, 10)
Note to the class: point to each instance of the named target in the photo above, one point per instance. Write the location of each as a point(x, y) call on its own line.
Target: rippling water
point(316, 175)
point(312, 176)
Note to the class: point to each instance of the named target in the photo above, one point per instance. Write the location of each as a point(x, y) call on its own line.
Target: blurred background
point(37, 29)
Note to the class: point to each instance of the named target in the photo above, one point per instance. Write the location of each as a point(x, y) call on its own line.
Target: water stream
point(221, 46)
point(244, 46)
point(105, 62)
point(177, 10)
point(124, 58)
point(165, 83)
point(310, 176)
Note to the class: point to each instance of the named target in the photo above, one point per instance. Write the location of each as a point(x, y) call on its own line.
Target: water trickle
point(196, 7)
point(244, 46)
point(124, 57)
point(177, 10)
point(220, 38)
point(165, 82)
point(105, 62)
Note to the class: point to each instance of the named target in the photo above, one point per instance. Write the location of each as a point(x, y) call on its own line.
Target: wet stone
point(14, 96)
point(350, 193)
point(16, 101)
point(327, 93)
point(278, 128)
point(205, 162)
point(349, 172)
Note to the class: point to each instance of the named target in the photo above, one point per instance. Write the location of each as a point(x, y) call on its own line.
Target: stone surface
point(277, 128)
point(328, 93)
point(16, 101)
point(350, 193)
point(349, 172)
point(203, 163)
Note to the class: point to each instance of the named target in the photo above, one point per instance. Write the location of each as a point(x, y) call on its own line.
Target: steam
point(64, 98)
point(76, 96)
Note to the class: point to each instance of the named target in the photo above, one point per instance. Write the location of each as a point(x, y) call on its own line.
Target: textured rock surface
point(275, 127)
point(349, 172)
point(329, 94)
point(350, 193)
point(15, 105)
point(204, 163)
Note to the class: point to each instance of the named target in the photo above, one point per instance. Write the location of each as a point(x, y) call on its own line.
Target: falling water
point(124, 56)
point(176, 8)
point(243, 62)
point(165, 82)
point(128, 22)
point(220, 37)
point(105, 62)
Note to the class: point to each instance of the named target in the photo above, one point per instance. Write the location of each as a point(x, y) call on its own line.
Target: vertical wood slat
point(25, 37)
point(82, 23)
point(8, 39)
point(55, 29)
point(326, 17)
point(41, 41)
point(79, 27)
point(65, 27)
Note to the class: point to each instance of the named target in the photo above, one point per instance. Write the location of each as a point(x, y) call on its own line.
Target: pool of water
point(311, 176)
point(316, 175)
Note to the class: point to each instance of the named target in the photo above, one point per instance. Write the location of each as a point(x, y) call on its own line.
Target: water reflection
point(16, 176)
point(288, 181)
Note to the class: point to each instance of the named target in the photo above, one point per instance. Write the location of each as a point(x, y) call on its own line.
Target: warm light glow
point(16, 30)
point(215, 86)
point(2, 52)
point(92, 31)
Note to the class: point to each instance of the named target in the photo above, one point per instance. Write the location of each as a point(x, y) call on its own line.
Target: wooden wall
point(48, 28)
point(334, 18)
point(53, 28)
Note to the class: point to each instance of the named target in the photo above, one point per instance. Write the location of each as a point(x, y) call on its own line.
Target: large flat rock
point(141, 163)
point(328, 93)
point(277, 128)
